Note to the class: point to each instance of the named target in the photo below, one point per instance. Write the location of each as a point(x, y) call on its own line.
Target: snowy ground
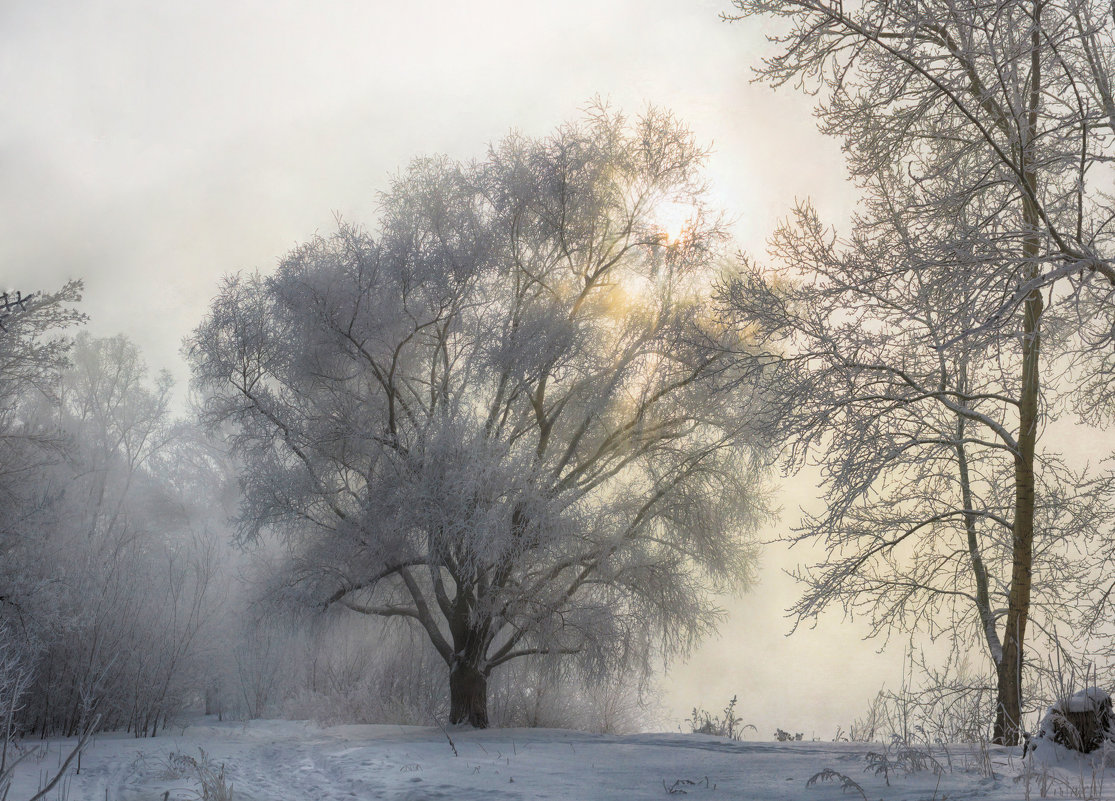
point(283, 761)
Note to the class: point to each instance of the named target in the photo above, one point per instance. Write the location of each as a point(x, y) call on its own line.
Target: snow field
point(298, 761)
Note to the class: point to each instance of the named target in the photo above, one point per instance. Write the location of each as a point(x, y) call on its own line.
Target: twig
point(446, 733)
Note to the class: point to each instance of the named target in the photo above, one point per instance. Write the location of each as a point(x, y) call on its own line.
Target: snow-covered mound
point(1083, 722)
point(1073, 752)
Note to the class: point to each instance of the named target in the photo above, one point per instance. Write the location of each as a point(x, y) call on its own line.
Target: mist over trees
point(491, 462)
point(108, 571)
point(920, 358)
point(499, 417)
point(494, 457)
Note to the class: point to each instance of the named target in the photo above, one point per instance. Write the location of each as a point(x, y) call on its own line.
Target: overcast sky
point(149, 148)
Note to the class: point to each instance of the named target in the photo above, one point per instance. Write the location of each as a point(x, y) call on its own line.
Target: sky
point(149, 148)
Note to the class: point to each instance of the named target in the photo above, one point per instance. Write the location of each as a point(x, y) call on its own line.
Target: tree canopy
point(501, 416)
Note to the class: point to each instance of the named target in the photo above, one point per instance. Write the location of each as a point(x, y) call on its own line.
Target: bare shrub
point(212, 783)
point(902, 756)
point(947, 704)
point(393, 678)
point(729, 725)
point(544, 695)
point(847, 783)
point(343, 668)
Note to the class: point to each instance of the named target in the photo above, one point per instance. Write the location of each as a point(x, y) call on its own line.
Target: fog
point(150, 149)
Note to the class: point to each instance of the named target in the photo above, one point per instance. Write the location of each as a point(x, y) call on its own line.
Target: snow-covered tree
point(114, 572)
point(33, 345)
point(499, 417)
point(915, 431)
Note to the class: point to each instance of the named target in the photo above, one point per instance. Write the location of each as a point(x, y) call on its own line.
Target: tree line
point(107, 531)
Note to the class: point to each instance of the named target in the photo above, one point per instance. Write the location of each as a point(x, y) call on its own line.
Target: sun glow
point(673, 220)
point(628, 294)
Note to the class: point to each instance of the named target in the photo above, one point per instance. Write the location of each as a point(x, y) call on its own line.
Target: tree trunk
point(468, 695)
point(213, 701)
point(1008, 706)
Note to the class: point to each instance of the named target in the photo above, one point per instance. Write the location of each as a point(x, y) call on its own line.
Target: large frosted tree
point(499, 416)
point(981, 135)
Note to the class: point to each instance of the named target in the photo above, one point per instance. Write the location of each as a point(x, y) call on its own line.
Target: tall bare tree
point(997, 114)
point(916, 431)
point(497, 419)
